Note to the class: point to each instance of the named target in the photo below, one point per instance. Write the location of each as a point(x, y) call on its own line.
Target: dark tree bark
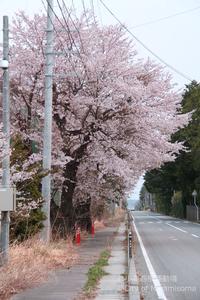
point(64, 218)
point(83, 215)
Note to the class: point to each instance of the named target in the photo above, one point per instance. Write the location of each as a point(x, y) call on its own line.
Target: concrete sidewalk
point(67, 284)
point(113, 285)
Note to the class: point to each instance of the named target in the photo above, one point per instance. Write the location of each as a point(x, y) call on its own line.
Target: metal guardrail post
point(130, 244)
point(129, 220)
point(133, 285)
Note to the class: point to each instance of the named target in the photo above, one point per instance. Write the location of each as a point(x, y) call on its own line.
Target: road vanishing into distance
point(167, 257)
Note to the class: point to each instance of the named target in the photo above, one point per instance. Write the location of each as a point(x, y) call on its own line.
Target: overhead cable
point(145, 46)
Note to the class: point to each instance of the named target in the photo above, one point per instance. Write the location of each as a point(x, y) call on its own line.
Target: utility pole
point(5, 217)
point(47, 135)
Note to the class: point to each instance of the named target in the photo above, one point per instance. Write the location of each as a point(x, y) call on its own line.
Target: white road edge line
point(176, 227)
point(196, 236)
point(158, 288)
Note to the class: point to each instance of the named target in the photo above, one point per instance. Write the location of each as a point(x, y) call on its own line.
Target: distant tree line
point(173, 183)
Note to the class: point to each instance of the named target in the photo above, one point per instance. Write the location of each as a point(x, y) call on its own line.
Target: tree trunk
point(63, 218)
point(83, 215)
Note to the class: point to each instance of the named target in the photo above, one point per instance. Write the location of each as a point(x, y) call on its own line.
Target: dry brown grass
point(120, 214)
point(110, 220)
point(98, 225)
point(116, 219)
point(30, 262)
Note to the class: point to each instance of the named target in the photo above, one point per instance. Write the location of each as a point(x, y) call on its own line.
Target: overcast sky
point(134, 197)
point(176, 40)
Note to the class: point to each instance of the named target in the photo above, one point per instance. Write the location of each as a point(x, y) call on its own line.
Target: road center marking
point(158, 288)
point(176, 228)
point(196, 236)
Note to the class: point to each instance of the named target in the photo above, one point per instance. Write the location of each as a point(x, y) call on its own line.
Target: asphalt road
point(167, 257)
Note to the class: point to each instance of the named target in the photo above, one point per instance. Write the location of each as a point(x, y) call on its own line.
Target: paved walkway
point(67, 284)
point(112, 286)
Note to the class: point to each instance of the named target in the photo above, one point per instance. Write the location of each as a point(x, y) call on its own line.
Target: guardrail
point(129, 237)
point(133, 288)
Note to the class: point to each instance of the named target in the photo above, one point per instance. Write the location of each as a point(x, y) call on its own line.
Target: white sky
point(175, 40)
point(134, 197)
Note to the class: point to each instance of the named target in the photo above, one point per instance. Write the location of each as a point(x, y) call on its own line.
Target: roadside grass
point(96, 272)
point(30, 263)
point(115, 220)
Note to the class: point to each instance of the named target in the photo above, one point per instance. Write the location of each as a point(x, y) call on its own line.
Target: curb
point(133, 288)
point(112, 286)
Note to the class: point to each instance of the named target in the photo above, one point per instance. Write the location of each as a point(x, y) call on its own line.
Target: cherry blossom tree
point(113, 114)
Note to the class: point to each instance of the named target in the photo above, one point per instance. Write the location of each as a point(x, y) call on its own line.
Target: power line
point(99, 10)
point(69, 15)
point(68, 29)
point(167, 17)
point(93, 11)
point(92, 6)
point(77, 30)
point(83, 4)
point(71, 39)
point(66, 22)
point(86, 13)
point(144, 46)
point(57, 34)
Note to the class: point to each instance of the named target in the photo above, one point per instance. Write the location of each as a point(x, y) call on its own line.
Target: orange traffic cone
point(92, 229)
point(78, 236)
